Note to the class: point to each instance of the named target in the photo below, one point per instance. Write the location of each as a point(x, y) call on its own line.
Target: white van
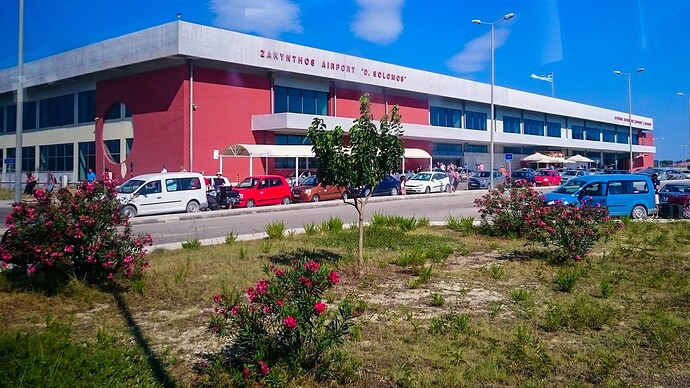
point(163, 193)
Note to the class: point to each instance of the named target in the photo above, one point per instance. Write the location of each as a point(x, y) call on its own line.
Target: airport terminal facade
point(179, 94)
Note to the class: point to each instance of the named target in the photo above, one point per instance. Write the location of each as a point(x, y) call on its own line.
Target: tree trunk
point(360, 245)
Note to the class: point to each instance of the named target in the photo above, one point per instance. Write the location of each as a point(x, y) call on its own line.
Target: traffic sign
point(9, 161)
point(509, 156)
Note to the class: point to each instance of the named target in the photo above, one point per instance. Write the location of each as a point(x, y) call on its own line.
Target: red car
point(261, 190)
point(547, 178)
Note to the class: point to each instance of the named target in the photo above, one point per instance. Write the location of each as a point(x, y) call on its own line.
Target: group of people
point(32, 182)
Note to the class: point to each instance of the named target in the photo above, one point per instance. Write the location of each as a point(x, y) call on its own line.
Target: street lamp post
point(658, 148)
point(688, 96)
point(640, 70)
point(493, 118)
point(20, 109)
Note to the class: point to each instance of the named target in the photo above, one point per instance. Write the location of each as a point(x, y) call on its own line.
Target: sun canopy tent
point(538, 157)
point(580, 159)
point(293, 151)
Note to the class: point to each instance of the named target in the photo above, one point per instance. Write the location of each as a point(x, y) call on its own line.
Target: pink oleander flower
point(319, 308)
point(245, 373)
point(217, 298)
point(290, 322)
point(333, 276)
point(279, 302)
point(235, 310)
point(262, 286)
point(312, 266)
point(264, 367)
point(280, 273)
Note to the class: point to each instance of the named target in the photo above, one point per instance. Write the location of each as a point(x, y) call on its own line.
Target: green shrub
point(310, 229)
point(80, 235)
point(521, 295)
point(566, 279)
point(414, 258)
point(424, 275)
point(332, 224)
point(460, 224)
point(230, 238)
point(450, 323)
point(606, 288)
point(497, 271)
point(583, 313)
point(437, 300)
point(555, 317)
point(284, 330)
point(438, 253)
point(192, 244)
point(526, 355)
point(275, 230)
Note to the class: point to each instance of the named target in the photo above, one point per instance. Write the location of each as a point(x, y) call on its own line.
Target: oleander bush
point(284, 330)
point(503, 211)
point(78, 235)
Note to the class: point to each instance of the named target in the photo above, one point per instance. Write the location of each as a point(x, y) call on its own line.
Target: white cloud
point(267, 18)
point(476, 55)
point(378, 21)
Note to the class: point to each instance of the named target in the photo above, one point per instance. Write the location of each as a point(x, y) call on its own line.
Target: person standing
point(30, 183)
point(91, 176)
point(50, 182)
point(403, 189)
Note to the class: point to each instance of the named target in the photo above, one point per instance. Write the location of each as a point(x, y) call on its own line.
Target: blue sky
point(582, 42)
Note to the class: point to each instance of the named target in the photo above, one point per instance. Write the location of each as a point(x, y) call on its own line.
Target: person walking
point(50, 182)
point(30, 183)
point(403, 189)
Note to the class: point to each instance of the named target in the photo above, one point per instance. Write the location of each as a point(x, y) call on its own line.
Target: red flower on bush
point(312, 266)
point(262, 286)
point(290, 322)
point(333, 277)
point(245, 373)
point(319, 308)
point(264, 367)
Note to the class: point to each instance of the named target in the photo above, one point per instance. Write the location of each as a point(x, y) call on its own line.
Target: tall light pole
point(640, 70)
point(493, 118)
point(688, 96)
point(20, 108)
point(658, 148)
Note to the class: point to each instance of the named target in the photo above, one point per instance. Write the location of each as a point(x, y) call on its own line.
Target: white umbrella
point(536, 157)
point(580, 159)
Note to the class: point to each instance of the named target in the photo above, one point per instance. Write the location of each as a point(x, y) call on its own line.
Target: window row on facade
point(68, 109)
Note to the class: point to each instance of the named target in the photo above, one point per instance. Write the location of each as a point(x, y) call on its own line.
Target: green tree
point(358, 165)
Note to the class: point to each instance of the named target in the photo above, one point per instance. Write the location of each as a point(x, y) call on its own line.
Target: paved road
point(217, 224)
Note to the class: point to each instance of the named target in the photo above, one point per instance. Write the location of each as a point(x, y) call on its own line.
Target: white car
point(428, 182)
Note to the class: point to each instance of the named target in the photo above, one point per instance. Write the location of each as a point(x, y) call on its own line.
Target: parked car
point(162, 193)
point(261, 190)
point(465, 173)
point(686, 174)
point(547, 178)
point(569, 174)
point(294, 180)
point(612, 171)
point(674, 174)
point(427, 182)
point(407, 173)
point(595, 171)
point(673, 190)
point(623, 194)
point(389, 185)
point(482, 180)
point(525, 175)
point(312, 190)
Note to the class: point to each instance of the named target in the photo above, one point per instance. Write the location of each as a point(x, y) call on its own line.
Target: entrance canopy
point(293, 151)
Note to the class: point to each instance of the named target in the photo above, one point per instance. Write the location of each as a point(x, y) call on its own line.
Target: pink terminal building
point(187, 96)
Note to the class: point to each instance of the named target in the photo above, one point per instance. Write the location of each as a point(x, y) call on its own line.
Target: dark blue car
point(388, 186)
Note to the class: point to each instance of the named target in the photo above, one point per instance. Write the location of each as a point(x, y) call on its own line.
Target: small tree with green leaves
point(360, 164)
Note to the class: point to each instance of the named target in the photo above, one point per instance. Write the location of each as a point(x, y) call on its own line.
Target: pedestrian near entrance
point(91, 176)
point(403, 189)
point(503, 170)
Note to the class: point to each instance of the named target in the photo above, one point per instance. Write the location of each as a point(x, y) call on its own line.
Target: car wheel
point(129, 211)
point(286, 200)
point(193, 207)
point(394, 191)
point(315, 198)
point(639, 212)
point(427, 190)
point(250, 203)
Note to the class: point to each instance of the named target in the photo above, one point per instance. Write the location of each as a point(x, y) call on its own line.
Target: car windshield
point(311, 181)
point(422, 176)
point(675, 188)
point(130, 186)
point(544, 173)
point(570, 187)
point(248, 183)
point(482, 174)
point(569, 172)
